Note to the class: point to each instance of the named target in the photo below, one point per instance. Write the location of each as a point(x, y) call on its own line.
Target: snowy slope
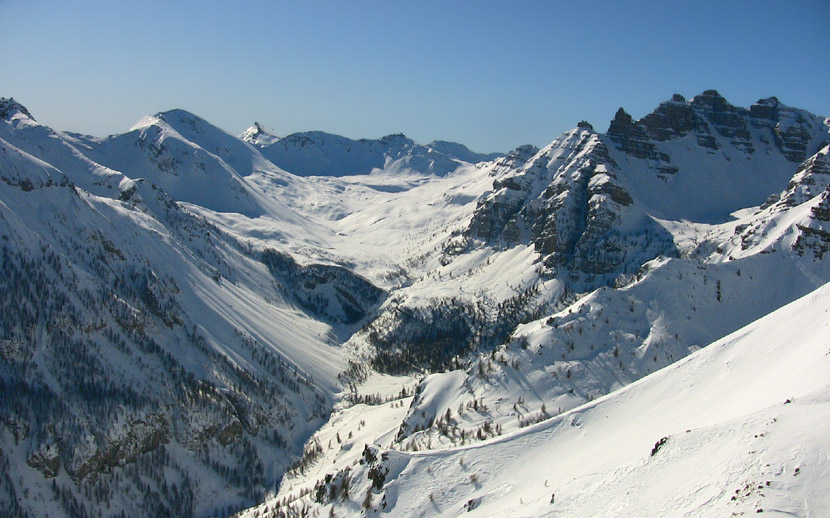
point(739, 427)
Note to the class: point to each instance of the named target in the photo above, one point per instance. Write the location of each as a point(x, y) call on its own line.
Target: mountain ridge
point(317, 153)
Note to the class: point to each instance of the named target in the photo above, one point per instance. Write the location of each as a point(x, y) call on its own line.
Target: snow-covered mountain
point(184, 309)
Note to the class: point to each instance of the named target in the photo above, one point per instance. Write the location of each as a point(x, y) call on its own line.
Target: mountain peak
point(9, 108)
point(178, 117)
point(765, 108)
point(630, 136)
point(396, 139)
point(621, 116)
point(258, 135)
point(769, 101)
point(622, 124)
point(711, 100)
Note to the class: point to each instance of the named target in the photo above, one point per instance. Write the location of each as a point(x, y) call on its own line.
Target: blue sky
point(489, 74)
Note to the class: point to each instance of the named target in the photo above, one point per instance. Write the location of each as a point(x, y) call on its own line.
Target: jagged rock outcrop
point(811, 178)
point(631, 137)
point(783, 213)
point(46, 459)
point(720, 157)
point(635, 139)
point(9, 107)
point(725, 119)
point(791, 128)
point(815, 236)
point(672, 119)
point(258, 136)
point(514, 178)
point(140, 436)
point(566, 201)
point(709, 115)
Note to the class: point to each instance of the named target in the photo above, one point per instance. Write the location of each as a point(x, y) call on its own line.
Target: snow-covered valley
point(195, 323)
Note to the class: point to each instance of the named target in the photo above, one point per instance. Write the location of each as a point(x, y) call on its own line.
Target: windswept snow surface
point(740, 427)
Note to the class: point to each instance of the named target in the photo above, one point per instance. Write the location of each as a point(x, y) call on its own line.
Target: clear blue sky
point(489, 74)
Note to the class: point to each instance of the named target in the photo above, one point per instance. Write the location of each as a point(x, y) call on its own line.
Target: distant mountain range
point(316, 153)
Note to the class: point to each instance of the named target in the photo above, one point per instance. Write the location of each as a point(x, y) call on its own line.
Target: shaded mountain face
point(112, 370)
point(330, 293)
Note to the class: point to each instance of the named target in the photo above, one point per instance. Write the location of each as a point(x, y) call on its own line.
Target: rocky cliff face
point(811, 178)
point(792, 131)
point(794, 220)
point(110, 383)
point(811, 184)
point(814, 238)
point(9, 107)
point(567, 202)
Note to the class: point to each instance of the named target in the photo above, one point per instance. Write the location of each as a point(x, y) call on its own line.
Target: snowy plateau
point(634, 323)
